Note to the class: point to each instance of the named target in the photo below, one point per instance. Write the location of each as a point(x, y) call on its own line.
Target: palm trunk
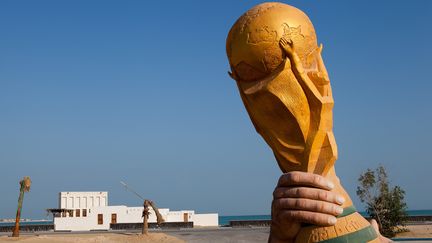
point(15, 232)
point(145, 216)
point(145, 226)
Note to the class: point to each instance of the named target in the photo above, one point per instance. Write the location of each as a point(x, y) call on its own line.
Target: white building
point(84, 211)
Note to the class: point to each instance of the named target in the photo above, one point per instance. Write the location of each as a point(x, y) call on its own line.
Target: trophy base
point(350, 227)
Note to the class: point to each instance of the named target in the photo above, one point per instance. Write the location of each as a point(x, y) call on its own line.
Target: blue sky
point(94, 92)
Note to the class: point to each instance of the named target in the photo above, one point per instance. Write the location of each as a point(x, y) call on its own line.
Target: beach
point(417, 231)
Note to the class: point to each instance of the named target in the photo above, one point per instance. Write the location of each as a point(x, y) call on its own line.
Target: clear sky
point(94, 92)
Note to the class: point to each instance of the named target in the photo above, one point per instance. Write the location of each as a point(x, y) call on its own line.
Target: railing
point(28, 228)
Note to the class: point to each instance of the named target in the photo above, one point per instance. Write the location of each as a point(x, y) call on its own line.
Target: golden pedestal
point(284, 85)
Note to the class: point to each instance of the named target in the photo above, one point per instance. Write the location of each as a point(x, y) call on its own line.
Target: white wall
point(124, 215)
point(74, 200)
point(208, 219)
point(178, 216)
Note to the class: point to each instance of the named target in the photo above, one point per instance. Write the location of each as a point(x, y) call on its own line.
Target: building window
point(70, 213)
point(63, 214)
point(100, 218)
point(77, 212)
point(114, 218)
point(84, 212)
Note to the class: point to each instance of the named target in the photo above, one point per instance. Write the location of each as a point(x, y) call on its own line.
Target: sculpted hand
point(319, 77)
point(302, 197)
point(289, 50)
point(381, 238)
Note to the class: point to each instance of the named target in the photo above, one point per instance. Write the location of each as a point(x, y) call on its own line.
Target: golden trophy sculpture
point(277, 64)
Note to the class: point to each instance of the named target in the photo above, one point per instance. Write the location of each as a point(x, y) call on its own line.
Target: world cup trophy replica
point(277, 64)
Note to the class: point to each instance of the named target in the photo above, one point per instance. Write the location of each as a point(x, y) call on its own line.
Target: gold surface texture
point(290, 104)
point(346, 225)
point(284, 85)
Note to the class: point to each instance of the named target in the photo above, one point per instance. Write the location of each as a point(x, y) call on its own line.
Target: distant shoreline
point(415, 212)
point(223, 220)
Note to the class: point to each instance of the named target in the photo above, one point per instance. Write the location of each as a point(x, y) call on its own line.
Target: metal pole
point(131, 190)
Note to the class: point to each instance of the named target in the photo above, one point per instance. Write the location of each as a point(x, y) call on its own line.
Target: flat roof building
point(85, 211)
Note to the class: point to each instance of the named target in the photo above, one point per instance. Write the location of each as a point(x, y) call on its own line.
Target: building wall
point(180, 216)
point(91, 221)
point(205, 220)
point(74, 200)
point(127, 215)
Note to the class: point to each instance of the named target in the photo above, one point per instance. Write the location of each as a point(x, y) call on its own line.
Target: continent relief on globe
point(253, 42)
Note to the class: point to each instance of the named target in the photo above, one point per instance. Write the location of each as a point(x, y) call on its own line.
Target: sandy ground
point(225, 235)
point(417, 231)
point(256, 235)
point(222, 235)
point(94, 238)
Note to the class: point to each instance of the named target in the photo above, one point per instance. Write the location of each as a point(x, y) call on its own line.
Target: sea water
point(224, 220)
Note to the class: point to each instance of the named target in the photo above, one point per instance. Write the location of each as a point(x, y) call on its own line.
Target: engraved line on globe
point(261, 35)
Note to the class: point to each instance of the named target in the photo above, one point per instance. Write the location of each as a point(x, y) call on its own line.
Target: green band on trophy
point(364, 235)
point(347, 211)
